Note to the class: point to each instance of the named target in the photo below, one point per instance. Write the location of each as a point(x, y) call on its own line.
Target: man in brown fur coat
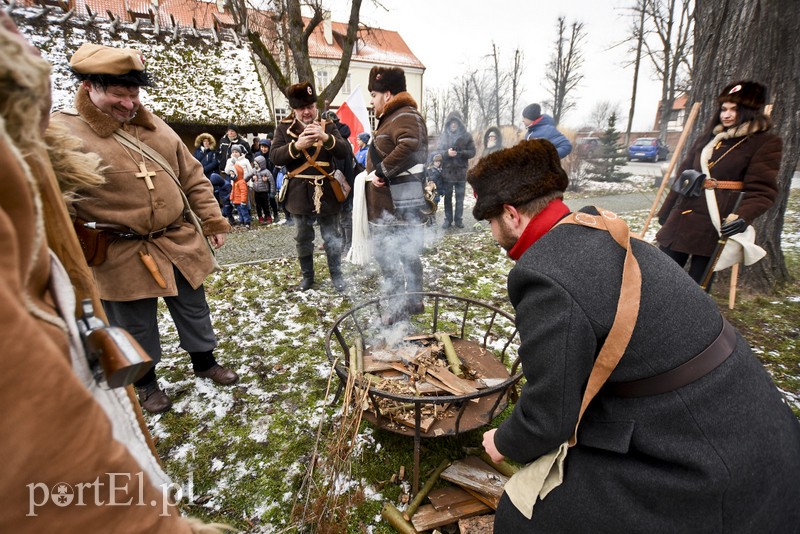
point(396, 163)
point(154, 251)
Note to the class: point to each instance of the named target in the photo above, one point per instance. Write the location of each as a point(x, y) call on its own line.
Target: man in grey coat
point(713, 448)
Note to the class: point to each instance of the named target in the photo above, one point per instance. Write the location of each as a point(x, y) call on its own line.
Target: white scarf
point(360, 248)
point(739, 247)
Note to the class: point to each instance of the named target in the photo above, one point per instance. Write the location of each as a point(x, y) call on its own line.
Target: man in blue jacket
point(544, 127)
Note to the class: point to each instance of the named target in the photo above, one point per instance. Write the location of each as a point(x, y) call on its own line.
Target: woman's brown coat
point(755, 162)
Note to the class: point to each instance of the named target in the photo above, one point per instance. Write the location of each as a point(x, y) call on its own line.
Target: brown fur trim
point(515, 176)
point(217, 225)
point(400, 100)
point(102, 124)
point(202, 137)
point(74, 169)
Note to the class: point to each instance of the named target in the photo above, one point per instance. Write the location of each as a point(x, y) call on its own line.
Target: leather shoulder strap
point(627, 306)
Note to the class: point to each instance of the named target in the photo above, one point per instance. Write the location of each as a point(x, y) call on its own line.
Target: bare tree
point(602, 112)
point(276, 30)
point(437, 106)
point(563, 71)
point(672, 25)
point(462, 95)
point(638, 36)
point(736, 41)
point(516, 85)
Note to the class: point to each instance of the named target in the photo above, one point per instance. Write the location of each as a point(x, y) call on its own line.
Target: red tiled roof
point(373, 46)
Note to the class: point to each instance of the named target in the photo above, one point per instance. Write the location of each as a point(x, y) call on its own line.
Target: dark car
point(648, 148)
point(586, 147)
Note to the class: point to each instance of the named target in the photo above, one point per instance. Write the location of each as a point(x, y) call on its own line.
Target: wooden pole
point(395, 518)
point(734, 279)
point(426, 489)
point(675, 155)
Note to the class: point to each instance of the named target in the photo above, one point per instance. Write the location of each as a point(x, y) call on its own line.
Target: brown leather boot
point(153, 399)
point(221, 375)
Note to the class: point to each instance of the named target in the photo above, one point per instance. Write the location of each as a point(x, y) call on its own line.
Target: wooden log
point(395, 519)
point(360, 354)
point(426, 489)
point(450, 353)
point(504, 468)
point(473, 473)
point(427, 517)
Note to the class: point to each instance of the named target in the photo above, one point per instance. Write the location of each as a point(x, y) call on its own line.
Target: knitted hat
point(745, 93)
point(515, 176)
point(301, 95)
point(364, 137)
point(265, 142)
point(532, 112)
point(233, 127)
point(392, 79)
point(237, 148)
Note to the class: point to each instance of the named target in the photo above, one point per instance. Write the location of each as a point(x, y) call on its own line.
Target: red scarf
point(538, 226)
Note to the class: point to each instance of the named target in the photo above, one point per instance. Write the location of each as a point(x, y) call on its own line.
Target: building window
point(346, 86)
point(322, 80)
point(281, 113)
point(372, 120)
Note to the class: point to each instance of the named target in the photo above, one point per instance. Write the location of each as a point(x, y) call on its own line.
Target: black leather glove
point(733, 227)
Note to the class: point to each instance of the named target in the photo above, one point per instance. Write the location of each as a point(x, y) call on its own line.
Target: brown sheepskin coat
point(125, 200)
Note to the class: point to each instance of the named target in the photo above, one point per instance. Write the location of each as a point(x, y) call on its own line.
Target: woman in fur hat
point(738, 154)
point(205, 152)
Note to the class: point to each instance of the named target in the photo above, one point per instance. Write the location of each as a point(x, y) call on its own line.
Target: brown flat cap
point(93, 58)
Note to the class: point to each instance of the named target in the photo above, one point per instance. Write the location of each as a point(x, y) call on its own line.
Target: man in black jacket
point(231, 138)
point(457, 148)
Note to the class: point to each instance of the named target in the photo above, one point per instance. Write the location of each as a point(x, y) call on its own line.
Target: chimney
point(221, 6)
point(327, 31)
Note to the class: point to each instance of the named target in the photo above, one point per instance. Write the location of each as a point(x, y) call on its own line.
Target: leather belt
point(712, 183)
point(143, 237)
point(684, 374)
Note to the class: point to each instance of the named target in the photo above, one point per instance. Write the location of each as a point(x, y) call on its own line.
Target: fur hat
point(437, 157)
point(745, 93)
point(392, 79)
point(301, 95)
point(532, 112)
point(515, 176)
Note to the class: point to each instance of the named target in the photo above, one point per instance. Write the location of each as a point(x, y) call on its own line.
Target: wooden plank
point(449, 496)
point(488, 500)
point(473, 473)
point(427, 517)
point(456, 383)
point(424, 422)
point(372, 365)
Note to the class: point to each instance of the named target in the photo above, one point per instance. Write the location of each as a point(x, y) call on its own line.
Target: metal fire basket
point(482, 335)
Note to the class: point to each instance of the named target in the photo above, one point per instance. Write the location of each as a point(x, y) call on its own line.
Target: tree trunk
point(637, 63)
point(755, 40)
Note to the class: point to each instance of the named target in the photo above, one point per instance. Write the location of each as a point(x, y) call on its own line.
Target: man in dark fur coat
point(395, 198)
point(713, 448)
point(308, 147)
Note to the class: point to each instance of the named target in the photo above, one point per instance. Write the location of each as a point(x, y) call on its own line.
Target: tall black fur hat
point(392, 79)
point(301, 95)
point(515, 176)
point(745, 93)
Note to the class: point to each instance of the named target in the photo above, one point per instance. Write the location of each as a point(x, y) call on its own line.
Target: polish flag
point(354, 113)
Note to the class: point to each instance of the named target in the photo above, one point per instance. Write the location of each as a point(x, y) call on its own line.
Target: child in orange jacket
point(240, 196)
